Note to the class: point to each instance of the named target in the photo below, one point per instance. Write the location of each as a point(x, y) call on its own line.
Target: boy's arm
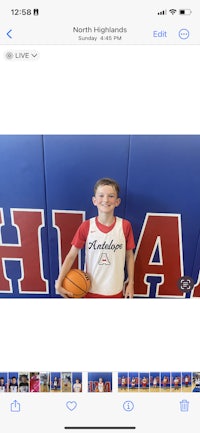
point(67, 264)
point(129, 292)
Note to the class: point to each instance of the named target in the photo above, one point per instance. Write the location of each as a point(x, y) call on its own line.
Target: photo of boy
point(109, 244)
point(175, 381)
point(66, 382)
point(76, 382)
point(13, 383)
point(133, 381)
point(100, 382)
point(103, 240)
point(186, 382)
point(23, 382)
point(144, 382)
point(3, 382)
point(154, 382)
point(165, 382)
point(196, 382)
point(122, 381)
point(100, 387)
point(44, 382)
point(55, 382)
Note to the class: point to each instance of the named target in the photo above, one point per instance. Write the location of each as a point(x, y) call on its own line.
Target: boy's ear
point(94, 200)
point(118, 201)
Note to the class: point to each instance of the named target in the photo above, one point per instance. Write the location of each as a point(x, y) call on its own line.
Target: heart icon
point(71, 405)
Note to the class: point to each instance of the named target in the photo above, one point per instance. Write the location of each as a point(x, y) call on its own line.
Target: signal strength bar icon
point(162, 12)
point(172, 11)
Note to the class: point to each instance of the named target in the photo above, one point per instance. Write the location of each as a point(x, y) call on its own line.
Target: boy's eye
point(102, 195)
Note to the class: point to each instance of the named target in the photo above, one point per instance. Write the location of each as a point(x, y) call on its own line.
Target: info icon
point(128, 406)
point(185, 284)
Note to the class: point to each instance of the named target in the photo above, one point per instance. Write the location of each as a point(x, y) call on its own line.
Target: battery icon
point(185, 11)
point(35, 12)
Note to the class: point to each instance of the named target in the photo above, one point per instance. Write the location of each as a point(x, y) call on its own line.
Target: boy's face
point(23, 379)
point(106, 199)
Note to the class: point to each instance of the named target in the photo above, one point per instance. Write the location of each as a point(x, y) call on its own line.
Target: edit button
point(159, 34)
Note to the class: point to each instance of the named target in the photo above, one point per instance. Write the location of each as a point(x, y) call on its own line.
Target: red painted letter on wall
point(28, 251)
point(159, 254)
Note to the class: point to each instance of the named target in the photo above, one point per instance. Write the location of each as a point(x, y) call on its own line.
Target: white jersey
point(100, 386)
point(77, 387)
point(105, 258)
point(2, 388)
point(13, 388)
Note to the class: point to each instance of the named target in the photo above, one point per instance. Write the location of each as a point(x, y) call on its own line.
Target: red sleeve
point(81, 234)
point(128, 233)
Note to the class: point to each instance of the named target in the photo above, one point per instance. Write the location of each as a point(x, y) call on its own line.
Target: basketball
point(77, 282)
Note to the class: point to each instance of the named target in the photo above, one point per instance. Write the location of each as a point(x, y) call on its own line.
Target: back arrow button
point(8, 33)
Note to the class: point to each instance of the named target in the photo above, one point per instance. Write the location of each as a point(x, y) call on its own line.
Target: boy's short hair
point(107, 181)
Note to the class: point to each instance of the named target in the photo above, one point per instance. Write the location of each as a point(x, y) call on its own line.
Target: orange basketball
point(77, 282)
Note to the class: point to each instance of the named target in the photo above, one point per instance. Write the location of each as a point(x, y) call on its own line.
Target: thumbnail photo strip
point(159, 382)
point(99, 382)
point(41, 382)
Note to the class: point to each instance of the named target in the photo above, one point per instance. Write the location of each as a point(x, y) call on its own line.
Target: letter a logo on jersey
point(104, 260)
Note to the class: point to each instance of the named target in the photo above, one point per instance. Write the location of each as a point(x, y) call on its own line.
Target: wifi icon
point(172, 11)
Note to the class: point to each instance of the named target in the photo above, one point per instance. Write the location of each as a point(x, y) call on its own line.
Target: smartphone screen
point(99, 216)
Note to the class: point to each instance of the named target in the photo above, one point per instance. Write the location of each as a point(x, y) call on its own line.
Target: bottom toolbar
point(114, 411)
